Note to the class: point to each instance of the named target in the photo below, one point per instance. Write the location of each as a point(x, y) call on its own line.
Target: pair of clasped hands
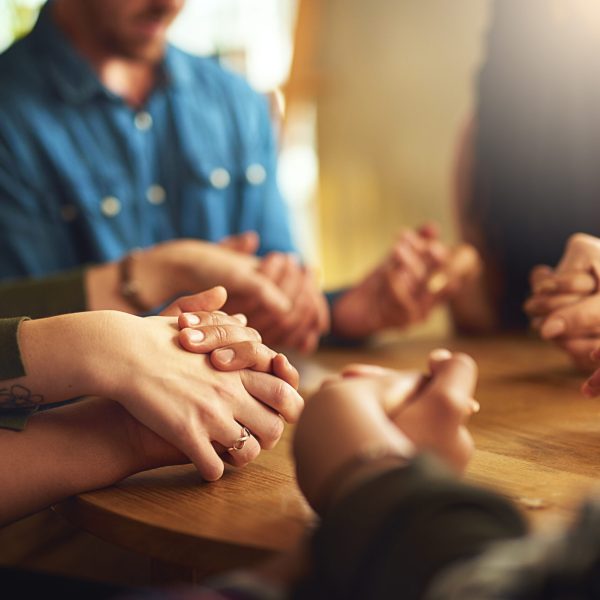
point(418, 273)
point(241, 383)
point(565, 305)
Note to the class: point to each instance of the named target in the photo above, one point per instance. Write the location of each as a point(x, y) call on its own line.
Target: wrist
point(338, 429)
point(365, 464)
point(54, 357)
point(351, 315)
point(108, 354)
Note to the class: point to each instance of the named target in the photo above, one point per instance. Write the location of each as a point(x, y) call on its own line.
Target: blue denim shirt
point(85, 178)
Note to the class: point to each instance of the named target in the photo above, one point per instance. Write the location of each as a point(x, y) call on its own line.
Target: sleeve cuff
point(55, 295)
point(11, 365)
point(15, 419)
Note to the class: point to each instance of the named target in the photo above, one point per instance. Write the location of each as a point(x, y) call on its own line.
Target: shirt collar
point(72, 75)
point(75, 78)
point(177, 70)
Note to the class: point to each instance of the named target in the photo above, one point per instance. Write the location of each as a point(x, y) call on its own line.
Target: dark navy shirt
point(84, 177)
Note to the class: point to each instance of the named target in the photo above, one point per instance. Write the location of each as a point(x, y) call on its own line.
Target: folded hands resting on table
point(197, 388)
point(419, 273)
point(565, 301)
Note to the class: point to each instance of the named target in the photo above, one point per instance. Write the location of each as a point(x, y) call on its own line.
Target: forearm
point(62, 452)
point(158, 273)
point(61, 356)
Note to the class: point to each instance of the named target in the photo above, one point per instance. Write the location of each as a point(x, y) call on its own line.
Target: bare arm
point(73, 449)
point(178, 267)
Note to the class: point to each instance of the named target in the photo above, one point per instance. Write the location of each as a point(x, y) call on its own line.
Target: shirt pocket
point(211, 193)
point(102, 216)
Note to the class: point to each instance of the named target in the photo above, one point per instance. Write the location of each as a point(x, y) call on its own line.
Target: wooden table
point(538, 441)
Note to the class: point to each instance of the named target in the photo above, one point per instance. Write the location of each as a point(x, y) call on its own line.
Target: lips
point(153, 24)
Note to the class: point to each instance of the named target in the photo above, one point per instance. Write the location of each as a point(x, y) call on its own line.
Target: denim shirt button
point(156, 194)
point(68, 213)
point(220, 178)
point(110, 206)
point(256, 174)
point(143, 120)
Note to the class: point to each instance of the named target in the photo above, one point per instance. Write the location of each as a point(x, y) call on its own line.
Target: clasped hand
point(181, 397)
point(565, 304)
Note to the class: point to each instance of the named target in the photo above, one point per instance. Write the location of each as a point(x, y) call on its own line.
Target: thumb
point(246, 243)
point(209, 300)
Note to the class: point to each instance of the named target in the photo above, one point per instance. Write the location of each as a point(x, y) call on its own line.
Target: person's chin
point(147, 50)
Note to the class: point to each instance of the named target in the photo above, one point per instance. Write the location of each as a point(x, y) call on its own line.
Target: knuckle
point(273, 431)
point(209, 414)
point(220, 334)
point(280, 394)
point(254, 333)
point(253, 452)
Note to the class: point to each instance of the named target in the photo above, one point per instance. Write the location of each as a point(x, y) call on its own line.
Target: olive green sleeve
point(11, 366)
point(45, 297)
point(55, 295)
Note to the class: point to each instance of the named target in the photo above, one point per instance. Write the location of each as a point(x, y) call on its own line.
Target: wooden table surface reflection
point(538, 442)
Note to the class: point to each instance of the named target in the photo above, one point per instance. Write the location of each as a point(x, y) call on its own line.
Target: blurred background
point(372, 96)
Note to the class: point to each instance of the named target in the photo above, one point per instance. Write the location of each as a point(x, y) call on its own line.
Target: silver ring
point(239, 443)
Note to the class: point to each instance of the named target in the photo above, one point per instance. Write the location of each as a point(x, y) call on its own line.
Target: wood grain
point(538, 442)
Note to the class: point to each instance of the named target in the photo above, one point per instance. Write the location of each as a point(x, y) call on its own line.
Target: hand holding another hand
point(183, 399)
point(418, 273)
point(375, 411)
point(565, 304)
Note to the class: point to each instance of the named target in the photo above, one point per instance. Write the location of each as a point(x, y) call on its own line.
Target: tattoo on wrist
point(18, 396)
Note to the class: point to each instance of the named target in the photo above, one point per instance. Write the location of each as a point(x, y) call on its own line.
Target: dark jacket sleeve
point(11, 366)
point(55, 295)
point(394, 534)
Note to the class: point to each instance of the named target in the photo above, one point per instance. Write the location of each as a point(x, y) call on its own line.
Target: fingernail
point(440, 354)
point(196, 336)
point(475, 407)
point(192, 319)
point(553, 328)
point(225, 356)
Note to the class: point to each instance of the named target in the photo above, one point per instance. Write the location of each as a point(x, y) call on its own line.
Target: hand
point(553, 290)
point(394, 412)
point(184, 400)
point(575, 277)
point(307, 320)
point(199, 311)
point(429, 409)
point(419, 273)
point(564, 304)
point(232, 352)
point(576, 329)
